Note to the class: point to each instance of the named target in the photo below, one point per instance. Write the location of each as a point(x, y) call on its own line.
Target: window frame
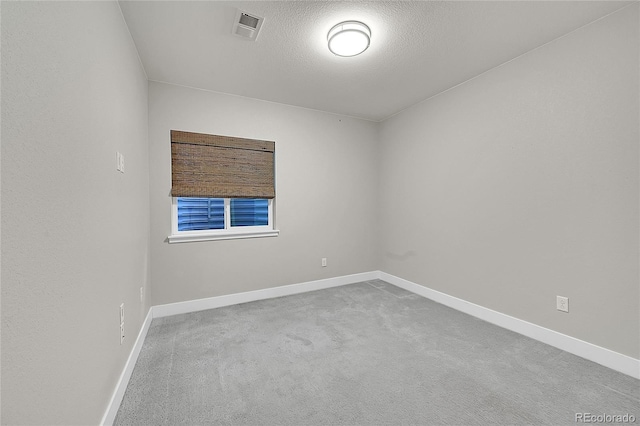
point(228, 233)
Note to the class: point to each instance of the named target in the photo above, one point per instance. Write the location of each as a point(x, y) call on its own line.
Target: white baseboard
point(116, 399)
point(614, 360)
point(251, 296)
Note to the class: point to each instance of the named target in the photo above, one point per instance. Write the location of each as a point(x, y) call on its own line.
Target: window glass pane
point(249, 212)
point(196, 214)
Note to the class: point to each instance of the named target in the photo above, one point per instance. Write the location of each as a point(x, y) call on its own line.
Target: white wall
point(505, 191)
point(325, 196)
point(75, 232)
point(522, 184)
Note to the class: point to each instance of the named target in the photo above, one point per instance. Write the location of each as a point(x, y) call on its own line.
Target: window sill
point(229, 235)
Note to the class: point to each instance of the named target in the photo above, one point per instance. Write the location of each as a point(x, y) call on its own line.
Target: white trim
point(174, 217)
point(614, 360)
point(270, 212)
point(189, 236)
point(250, 296)
point(116, 399)
point(227, 213)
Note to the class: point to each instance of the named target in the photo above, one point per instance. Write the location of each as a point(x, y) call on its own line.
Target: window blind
point(212, 166)
point(200, 213)
point(249, 212)
point(197, 214)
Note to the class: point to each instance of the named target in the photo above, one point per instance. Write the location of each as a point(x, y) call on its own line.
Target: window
point(222, 187)
point(200, 219)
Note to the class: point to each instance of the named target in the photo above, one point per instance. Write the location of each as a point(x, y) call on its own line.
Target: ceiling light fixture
point(349, 38)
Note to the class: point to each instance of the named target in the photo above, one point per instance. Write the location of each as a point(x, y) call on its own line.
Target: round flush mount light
point(349, 38)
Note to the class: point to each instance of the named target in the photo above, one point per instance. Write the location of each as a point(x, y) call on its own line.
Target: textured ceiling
point(418, 49)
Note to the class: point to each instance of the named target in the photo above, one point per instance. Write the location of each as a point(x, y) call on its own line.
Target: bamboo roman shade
point(212, 166)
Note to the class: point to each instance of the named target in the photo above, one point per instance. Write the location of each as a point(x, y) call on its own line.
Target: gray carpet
point(363, 354)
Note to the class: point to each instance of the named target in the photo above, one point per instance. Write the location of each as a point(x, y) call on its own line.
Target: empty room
point(320, 213)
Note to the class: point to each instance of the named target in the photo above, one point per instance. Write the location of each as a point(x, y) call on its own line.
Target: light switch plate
point(119, 162)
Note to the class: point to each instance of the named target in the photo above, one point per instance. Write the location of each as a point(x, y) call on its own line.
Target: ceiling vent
point(246, 25)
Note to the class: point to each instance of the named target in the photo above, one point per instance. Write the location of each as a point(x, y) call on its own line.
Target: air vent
point(247, 25)
point(249, 21)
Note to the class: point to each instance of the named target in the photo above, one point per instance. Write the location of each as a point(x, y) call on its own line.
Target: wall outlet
point(324, 262)
point(142, 294)
point(562, 303)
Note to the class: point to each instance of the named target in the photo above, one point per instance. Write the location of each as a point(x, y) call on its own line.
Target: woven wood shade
point(212, 166)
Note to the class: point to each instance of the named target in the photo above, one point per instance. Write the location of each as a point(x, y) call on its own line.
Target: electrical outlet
point(121, 333)
point(324, 262)
point(141, 294)
point(562, 303)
